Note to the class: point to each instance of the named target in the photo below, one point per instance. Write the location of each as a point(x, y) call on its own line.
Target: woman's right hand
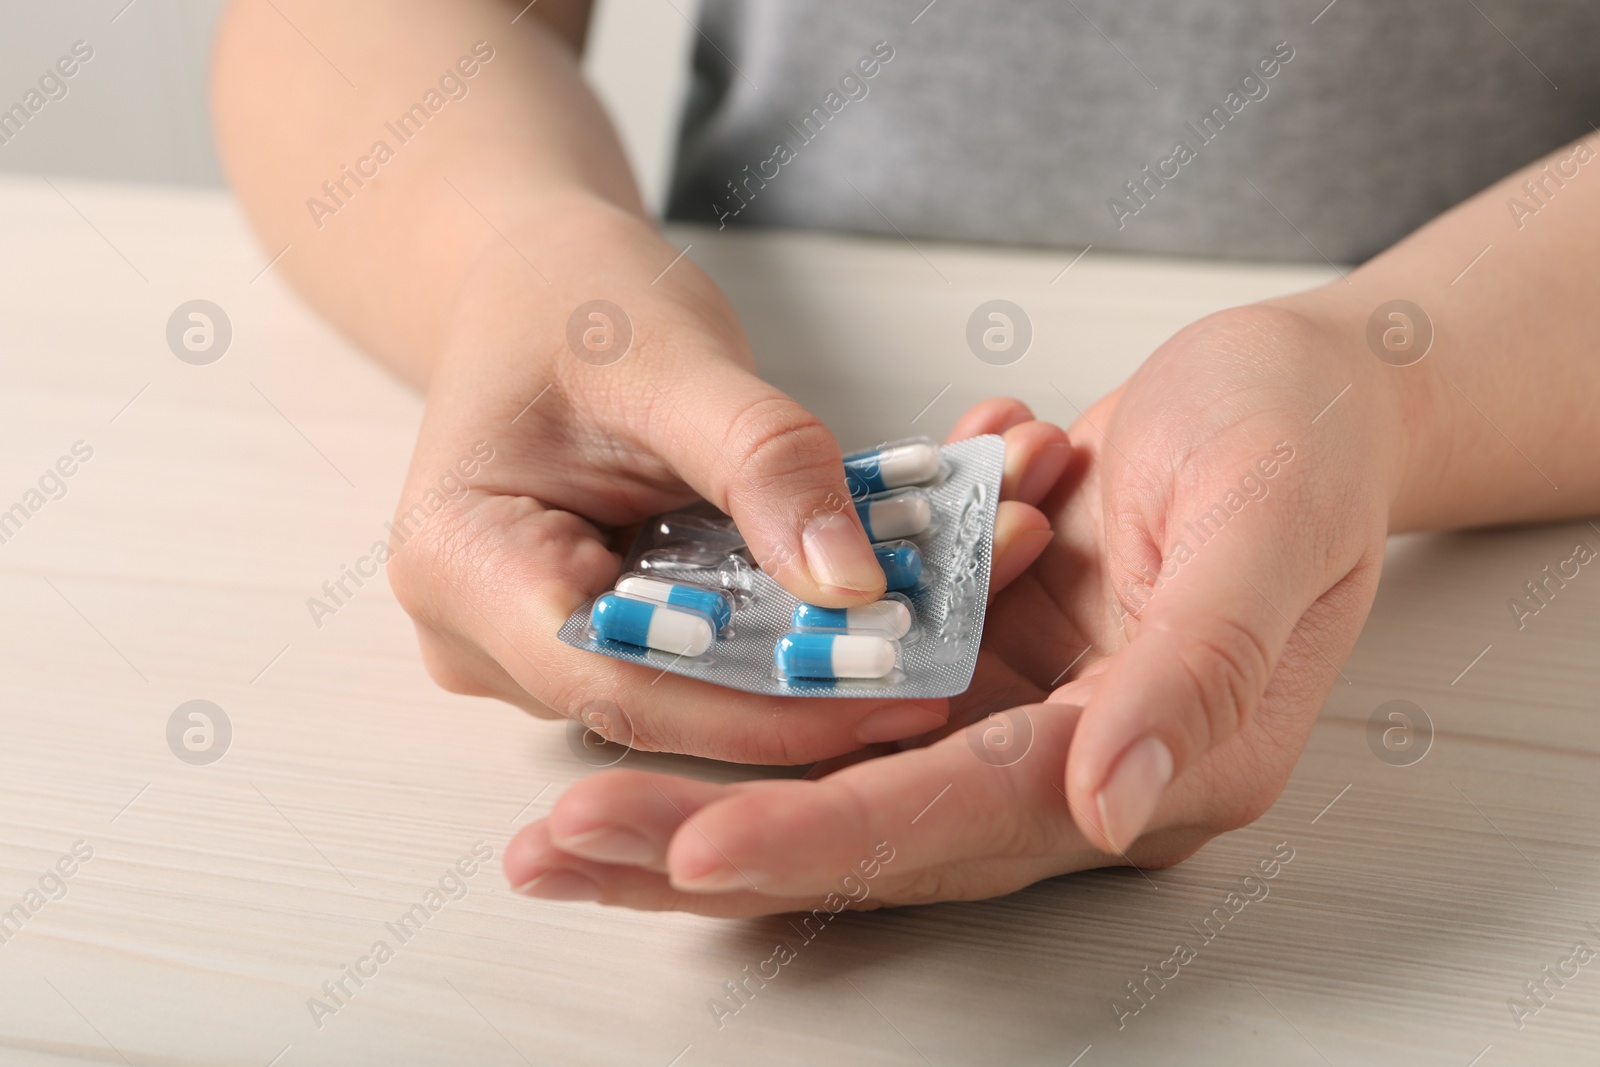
point(589, 440)
point(462, 267)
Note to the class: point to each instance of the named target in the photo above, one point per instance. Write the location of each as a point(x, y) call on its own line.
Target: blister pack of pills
point(692, 601)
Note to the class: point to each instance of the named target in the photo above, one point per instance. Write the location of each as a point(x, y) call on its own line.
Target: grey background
point(1020, 130)
point(137, 111)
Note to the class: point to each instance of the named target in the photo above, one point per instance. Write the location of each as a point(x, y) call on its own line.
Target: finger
point(580, 821)
point(774, 467)
point(502, 574)
point(995, 415)
point(928, 807)
point(823, 768)
point(1021, 533)
point(1206, 643)
point(459, 666)
point(1037, 454)
point(536, 867)
point(940, 857)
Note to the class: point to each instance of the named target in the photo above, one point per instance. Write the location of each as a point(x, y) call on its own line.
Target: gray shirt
point(1274, 129)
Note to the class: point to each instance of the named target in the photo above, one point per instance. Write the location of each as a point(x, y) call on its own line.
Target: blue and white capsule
point(889, 617)
point(901, 562)
point(710, 602)
point(829, 656)
point(891, 466)
point(648, 623)
point(895, 515)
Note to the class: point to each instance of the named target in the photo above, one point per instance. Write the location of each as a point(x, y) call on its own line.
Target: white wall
point(638, 62)
point(137, 109)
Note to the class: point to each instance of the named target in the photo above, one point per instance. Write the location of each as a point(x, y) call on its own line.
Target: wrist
point(549, 242)
point(543, 260)
point(536, 260)
point(1389, 393)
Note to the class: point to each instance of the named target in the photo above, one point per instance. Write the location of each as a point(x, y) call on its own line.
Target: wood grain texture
point(220, 897)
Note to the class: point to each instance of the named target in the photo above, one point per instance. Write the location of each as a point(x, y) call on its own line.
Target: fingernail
point(610, 844)
point(896, 723)
point(838, 555)
point(719, 879)
point(1130, 797)
point(561, 885)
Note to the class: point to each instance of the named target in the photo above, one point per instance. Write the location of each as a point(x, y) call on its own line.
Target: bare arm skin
point(530, 139)
point(1500, 422)
point(458, 261)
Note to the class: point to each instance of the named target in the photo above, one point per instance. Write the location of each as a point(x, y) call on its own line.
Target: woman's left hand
point(1192, 561)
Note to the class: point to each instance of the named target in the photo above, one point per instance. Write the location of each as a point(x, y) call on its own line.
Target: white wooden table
point(220, 897)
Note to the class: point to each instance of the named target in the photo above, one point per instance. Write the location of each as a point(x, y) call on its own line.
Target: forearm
point(382, 253)
point(1499, 417)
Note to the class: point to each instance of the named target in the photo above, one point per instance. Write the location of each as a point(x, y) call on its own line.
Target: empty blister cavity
point(834, 656)
point(893, 515)
point(737, 575)
point(707, 556)
point(889, 466)
point(902, 564)
point(891, 617)
point(651, 624)
point(669, 568)
point(731, 572)
point(688, 528)
point(714, 603)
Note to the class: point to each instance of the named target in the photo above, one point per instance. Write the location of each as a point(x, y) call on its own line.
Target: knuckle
point(406, 577)
point(590, 711)
point(451, 672)
point(1020, 819)
point(1022, 834)
point(458, 551)
point(458, 667)
point(774, 439)
point(1227, 668)
point(789, 741)
point(583, 702)
point(929, 885)
point(440, 546)
point(775, 744)
point(653, 733)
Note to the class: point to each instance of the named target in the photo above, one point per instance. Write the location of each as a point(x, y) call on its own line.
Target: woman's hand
point(1218, 533)
point(466, 268)
point(588, 440)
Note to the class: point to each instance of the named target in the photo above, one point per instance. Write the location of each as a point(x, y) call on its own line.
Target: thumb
point(1208, 639)
point(774, 467)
